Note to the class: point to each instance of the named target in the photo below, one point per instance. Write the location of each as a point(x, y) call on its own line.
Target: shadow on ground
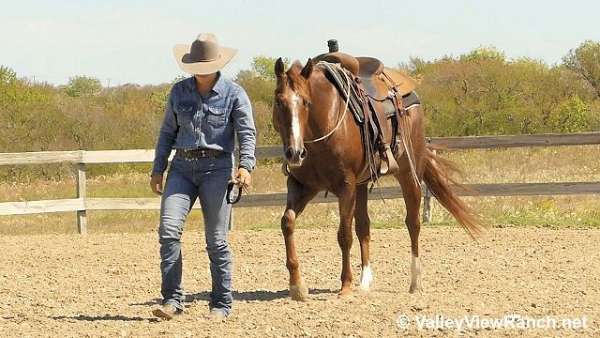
point(247, 296)
point(105, 318)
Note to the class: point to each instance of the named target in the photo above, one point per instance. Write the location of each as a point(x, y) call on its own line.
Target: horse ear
point(308, 68)
point(279, 67)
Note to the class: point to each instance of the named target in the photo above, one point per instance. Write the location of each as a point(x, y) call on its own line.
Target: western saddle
point(377, 105)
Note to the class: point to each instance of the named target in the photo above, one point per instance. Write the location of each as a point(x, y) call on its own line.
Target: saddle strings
point(339, 123)
point(404, 128)
point(408, 147)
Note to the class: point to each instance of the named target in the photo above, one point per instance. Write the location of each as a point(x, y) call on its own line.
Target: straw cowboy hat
point(203, 56)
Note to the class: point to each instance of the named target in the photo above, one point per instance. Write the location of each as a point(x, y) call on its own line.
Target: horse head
point(291, 107)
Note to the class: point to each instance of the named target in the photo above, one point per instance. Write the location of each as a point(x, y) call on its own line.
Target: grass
point(552, 164)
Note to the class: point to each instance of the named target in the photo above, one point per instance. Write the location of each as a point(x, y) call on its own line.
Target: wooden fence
point(80, 158)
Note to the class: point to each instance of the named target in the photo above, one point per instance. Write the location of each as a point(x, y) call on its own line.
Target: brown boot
point(166, 311)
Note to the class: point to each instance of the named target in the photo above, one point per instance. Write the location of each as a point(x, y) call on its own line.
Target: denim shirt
point(212, 122)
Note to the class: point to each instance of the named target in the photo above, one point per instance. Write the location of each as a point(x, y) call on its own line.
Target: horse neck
point(326, 109)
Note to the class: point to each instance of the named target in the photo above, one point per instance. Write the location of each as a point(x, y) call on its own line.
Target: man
point(204, 114)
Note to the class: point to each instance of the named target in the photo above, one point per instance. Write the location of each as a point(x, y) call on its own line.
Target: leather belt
point(194, 154)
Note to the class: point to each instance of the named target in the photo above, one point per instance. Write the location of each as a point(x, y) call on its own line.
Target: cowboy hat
point(203, 56)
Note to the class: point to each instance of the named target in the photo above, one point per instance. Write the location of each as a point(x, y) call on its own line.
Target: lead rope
point(339, 123)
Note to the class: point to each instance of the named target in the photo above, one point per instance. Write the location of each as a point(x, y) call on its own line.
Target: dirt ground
point(106, 284)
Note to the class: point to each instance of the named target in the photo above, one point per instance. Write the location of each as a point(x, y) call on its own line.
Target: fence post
point(81, 193)
point(427, 206)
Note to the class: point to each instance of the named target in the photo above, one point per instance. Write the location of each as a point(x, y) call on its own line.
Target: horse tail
point(438, 177)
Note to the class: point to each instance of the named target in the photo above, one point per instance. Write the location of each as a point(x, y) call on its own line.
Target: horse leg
point(412, 199)
point(362, 228)
point(297, 198)
point(347, 204)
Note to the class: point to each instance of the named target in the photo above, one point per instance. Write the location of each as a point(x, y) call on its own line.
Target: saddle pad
point(402, 82)
point(411, 99)
point(387, 105)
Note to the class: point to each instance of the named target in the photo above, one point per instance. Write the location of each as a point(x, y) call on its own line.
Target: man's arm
point(166, 138)
point(243, 123)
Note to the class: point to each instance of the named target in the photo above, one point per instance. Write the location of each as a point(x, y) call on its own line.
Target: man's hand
point(243, 178)
point(156, 183)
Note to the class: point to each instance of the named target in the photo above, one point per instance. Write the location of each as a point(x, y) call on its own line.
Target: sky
point(124, 41)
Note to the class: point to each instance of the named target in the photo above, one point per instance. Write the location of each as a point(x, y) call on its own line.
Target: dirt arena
point(105, 285)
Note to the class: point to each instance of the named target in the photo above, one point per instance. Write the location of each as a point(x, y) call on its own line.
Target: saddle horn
point(333, 45)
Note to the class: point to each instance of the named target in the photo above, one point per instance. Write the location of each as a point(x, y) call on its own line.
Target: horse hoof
point(299, 292)
point(345, 291)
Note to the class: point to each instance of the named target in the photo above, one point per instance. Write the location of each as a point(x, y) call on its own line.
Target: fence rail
point(80, 158)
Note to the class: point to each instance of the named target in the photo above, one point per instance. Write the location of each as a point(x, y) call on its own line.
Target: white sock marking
point(366, 277)
point(415, 273)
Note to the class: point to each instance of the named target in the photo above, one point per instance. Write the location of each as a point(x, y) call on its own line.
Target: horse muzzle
point(295, 156)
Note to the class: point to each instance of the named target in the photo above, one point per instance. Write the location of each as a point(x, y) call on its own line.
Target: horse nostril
point(289, 153)
point(303, 153)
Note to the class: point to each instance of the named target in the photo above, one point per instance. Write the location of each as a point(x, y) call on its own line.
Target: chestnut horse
point(307, 107)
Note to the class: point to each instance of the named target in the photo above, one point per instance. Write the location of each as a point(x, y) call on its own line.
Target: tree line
point(477, 93)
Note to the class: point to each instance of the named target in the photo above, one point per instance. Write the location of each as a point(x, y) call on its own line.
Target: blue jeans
point(187, 180)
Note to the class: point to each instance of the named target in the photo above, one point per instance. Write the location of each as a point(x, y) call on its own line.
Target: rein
point(339, 123)
point(233, 195)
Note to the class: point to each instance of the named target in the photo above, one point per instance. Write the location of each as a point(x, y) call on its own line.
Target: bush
point(83, 86)
point(480, 92)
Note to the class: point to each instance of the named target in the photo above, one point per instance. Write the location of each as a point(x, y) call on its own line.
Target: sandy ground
point(105, 285)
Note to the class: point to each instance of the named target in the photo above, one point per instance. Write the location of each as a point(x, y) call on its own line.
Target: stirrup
point(388, 164)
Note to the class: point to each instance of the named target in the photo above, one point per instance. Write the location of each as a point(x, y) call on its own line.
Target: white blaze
point(296, 140)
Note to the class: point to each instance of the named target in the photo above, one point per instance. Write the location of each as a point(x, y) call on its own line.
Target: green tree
point(570, 116)
point(259, 82)
point(264, 66)
point(484, 53)
point(7, 75)
point(83, 86)
point(482, 93)
point(585, 61)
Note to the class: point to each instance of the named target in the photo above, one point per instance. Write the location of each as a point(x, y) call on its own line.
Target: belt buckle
point(188, 154)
